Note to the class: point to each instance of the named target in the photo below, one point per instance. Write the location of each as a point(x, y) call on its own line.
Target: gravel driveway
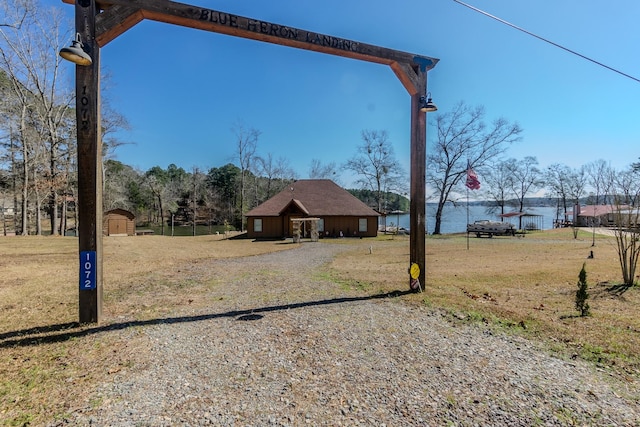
point(334, 359)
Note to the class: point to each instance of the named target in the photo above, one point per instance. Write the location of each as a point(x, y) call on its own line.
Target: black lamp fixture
point(75, 53)
point(426, 106)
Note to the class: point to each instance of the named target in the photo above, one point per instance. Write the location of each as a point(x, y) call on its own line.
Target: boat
point(491, 228)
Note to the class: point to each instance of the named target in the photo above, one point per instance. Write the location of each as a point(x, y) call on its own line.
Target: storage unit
point(118, 222)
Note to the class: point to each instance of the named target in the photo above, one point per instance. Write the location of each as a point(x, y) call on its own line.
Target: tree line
point(222, 195)
point(38, 173)
point(219, 195)
point(464, 141)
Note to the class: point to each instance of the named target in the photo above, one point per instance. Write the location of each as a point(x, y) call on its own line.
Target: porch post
point(89, 202)
point(418, 176)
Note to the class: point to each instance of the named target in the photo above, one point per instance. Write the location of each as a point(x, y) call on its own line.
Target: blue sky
point(183, 89)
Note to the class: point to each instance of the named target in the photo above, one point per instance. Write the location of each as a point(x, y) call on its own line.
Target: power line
point(547, 40)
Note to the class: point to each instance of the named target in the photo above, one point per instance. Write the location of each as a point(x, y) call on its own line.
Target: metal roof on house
point(597, 210)
point(315, 197)
point(517, 214)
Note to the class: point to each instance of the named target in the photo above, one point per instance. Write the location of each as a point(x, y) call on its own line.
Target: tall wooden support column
point(89, 203)
point(99, 29)
point(418, 177)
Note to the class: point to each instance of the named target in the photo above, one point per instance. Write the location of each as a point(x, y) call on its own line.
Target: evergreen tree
point(582, 294)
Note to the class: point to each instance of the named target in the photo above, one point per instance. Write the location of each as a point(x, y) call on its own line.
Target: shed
point(533, 221)
point(118, 222)
point(336, 212)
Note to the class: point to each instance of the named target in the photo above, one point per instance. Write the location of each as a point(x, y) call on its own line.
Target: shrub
point(582, 294)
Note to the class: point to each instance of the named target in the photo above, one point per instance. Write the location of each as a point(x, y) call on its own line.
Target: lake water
point(454, 218)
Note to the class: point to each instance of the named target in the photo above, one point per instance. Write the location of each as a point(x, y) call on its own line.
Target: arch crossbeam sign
point(99, 22)
point(120, 15)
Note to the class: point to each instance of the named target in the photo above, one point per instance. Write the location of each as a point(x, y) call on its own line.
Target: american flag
point(472, 178)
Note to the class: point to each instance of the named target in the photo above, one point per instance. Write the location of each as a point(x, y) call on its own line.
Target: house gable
point(295, 206)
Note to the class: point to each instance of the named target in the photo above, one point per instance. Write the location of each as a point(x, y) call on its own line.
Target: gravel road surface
point(339, 358)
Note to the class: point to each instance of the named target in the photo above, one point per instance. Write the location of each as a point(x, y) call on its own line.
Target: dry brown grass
point(524, 285)
point(527, 285)
point(45, 357)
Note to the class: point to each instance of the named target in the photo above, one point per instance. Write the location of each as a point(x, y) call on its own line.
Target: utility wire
point(546, 40)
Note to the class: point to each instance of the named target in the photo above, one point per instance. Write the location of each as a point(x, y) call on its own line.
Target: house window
point(362, 225)
point(321, 225)
point(257, 225)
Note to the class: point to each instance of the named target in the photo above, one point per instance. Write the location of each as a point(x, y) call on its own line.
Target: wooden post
point(418, 175)
point(99, 29)
point(89, 202)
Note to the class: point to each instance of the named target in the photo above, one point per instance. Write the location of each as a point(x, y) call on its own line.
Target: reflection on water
point(454, 218)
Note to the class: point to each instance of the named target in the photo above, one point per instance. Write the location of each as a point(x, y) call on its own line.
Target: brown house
point(596, 215)
point(339, 213)
point(118, 222)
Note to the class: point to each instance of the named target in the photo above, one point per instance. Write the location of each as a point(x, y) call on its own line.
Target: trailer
point(491, 228)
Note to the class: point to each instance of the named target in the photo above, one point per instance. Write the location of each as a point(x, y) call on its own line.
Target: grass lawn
point(522, 285)
point(527, 285)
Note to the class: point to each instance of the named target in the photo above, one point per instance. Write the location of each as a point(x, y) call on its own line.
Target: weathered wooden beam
point(115, 21)
point(418, 150)
point(407, 74)
point(89, 168)
point(255, 29)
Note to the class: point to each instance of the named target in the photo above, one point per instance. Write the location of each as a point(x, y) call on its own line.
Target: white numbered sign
point(87, 270)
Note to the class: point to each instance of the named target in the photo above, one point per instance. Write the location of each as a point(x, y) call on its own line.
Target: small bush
point(582, 294)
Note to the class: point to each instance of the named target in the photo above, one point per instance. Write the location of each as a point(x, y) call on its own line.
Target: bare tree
point(318, 170)
point(464, 138)
point(44, 142)
point(157, 181)
point(15, 12)
point(246, 145)
point(9, 150)
point(626, 209)
point(599, 175)
point(376, 165)
point(4, 187)
point(556, 179)
point(274, 175)
point(122, 187)
point(497, 184)
point(112, 122)
point(28, 55)
point(197, 196)
point(526, 179)
point(576, 185)
point(16, 108)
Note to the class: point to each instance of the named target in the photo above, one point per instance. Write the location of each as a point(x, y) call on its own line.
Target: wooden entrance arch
point(98, 22)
